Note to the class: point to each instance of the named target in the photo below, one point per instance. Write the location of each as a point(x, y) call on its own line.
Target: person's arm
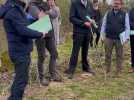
point(53, 12)
point(127, 25)
point(21, 27)
point(59, 15)
point(3, 10)
point(103, 27)
point(73, 18)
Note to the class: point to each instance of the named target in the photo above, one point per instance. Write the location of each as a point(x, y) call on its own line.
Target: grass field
point(99, 87)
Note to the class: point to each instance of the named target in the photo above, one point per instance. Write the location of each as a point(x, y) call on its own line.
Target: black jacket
point(131, 18)
point(78, 13)
point(15, 23)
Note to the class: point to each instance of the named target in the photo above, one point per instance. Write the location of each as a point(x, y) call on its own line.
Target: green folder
point(42, 25)
point(132, 32)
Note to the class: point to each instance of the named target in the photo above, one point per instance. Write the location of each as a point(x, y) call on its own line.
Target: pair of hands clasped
point(89, 23)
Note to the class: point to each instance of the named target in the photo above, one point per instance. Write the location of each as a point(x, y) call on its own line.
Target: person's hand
point(94, 23)
point(41, 14)
point(102, 37)
point(44, 34)
point(87, 24)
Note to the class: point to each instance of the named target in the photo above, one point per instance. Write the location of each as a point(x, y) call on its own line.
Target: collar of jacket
point(80, 2)
point(84, 2)
point(116, 12)
point(20, 6)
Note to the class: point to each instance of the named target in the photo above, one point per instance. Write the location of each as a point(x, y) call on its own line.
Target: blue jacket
point(15, 23)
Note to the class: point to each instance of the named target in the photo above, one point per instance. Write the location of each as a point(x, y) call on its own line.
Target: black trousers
point(79, 41)
point(49, 44)
point(21, 65)
point(97, 32)
point(132, 49)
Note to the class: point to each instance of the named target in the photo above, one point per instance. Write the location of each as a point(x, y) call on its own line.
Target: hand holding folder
point(124, 38)
point(42, 25)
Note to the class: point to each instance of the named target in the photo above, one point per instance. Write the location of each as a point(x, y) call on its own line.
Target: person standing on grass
point(114, 23)
point(131, 20)
point(97, 17)
point(19, 43)
point(46, 43)
point(56, 20)
point(81, 35)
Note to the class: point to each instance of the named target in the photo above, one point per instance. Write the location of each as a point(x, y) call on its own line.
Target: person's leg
point(119, 55)
point(77, 42)
point(108, 53)
point(53, 70)
point(97, 36)
point(21, 65)
point(57, 35)
point(132, 53)
point(84, 54)
point(40, 44)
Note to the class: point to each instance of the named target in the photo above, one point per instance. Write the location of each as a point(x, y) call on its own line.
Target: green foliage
point(64, 9)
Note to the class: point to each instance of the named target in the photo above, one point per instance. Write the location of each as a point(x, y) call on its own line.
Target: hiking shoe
point(90, 71)
point(45, 82)
point(56, 77)
point(69, 74)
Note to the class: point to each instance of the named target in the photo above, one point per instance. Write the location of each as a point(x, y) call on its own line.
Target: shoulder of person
point(124, 12)
point(15, 14)
point(110, 11)
point(57, 7)
point(75, 2)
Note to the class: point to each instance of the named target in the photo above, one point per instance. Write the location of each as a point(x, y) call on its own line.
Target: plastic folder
point(124, 38)
point(132, 32)
point(42, 25)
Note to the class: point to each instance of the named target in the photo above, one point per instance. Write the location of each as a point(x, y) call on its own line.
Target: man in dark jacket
point(131, 20)
point(81, 34)
point(19, 43)
point(46, 43)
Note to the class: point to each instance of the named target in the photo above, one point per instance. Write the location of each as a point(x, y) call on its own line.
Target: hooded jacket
point(15, 23)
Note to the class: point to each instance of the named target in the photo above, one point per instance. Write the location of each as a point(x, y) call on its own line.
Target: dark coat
point(15, 23)
point(78, 13)
point(131, 18)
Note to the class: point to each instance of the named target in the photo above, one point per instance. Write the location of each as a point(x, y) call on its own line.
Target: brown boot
point(108, 70)
point(131, 70)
